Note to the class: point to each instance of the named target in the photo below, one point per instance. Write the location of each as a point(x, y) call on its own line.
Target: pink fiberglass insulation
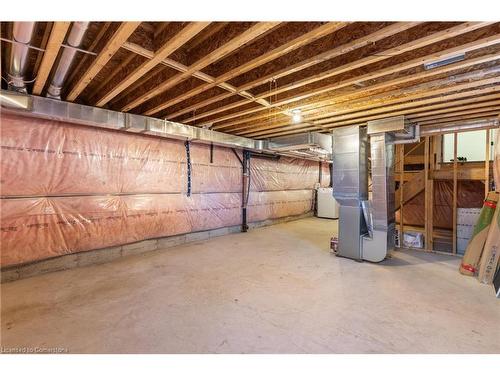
point(39, 228)
point(283, 174)
point(42, 157)
point(325, 175)
point(275, 204)
point(68, 188)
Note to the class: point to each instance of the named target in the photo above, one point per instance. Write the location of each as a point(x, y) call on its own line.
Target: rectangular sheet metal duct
point(350, 187)
point(312, 146)
point(41, 107)
point(308, 144)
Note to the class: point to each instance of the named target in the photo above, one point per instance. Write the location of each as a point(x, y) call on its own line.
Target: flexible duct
point(22, 33)
point(74, 40)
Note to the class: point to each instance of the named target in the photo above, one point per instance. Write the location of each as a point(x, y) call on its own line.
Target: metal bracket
point(237, 156)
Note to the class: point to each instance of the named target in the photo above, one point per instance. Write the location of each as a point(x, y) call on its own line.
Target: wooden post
point(455, 189)
point(431, 193)
point(426, 192)
point(429, 197)
point(438, 148)
point(487, 164)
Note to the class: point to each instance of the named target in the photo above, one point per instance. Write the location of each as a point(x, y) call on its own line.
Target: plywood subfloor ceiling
point(248, 78)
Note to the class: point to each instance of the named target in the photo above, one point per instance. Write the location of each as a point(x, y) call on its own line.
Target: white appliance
point(327, 205)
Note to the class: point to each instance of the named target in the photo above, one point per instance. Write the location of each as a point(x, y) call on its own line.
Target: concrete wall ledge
point(108, 254)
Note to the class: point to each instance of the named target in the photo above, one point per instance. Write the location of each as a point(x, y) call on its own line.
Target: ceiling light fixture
point(296, 116)
point(439, 63)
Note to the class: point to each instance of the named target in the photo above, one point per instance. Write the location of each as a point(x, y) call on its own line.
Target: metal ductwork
point(75, 38)
point(401, 128)
point(350, 187)
point(312, 146)
point(381, 207)
point(367, 227)
point(308, 145)
point(40, 107)
point(22, 33)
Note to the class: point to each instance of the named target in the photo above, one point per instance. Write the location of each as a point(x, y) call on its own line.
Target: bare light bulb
point(296, 116)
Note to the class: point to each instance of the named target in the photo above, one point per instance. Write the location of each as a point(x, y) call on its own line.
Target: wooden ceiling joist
point(111, 77)
point(290, 132)
point(315, 129)
point(164, 51)
point(335, 99)
point(482, 107)
point(183, 68)
point(383, 55)
point(461, 115)
point(115, 42)
point(57, 35)
point(294, 44)
point(393, 69)
point(373, 111)
point(476, 106)
point(246, 78)
point(424, 108)
point(348, 47)
point(287, 101)
point(435, 94)
point(82, 63)
point(330, 54)
point(235, 43)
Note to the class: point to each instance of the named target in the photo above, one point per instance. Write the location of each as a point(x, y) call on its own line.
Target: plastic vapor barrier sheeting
point(40, 157)
point(38, 228)
point(285, 174)
point(68, 188)
point(275, 204)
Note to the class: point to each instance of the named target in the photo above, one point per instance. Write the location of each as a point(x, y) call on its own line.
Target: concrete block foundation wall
point(68, 189)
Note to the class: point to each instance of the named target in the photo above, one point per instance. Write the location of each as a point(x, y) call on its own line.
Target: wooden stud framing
point(429, 196)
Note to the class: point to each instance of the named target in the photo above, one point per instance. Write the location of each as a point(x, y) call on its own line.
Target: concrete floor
point(273, 290)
